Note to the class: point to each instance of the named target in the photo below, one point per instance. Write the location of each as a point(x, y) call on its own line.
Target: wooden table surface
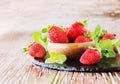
point(27, 16)
point(17, 68)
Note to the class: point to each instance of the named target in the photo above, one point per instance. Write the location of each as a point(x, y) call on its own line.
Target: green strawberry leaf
point(25, 49)
point(84, 22)
point(56, 58)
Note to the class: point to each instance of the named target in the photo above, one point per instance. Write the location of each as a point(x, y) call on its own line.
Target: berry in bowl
point(71, 41)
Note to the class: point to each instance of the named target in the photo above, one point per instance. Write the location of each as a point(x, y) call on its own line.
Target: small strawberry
point(108, 36)
point(90, 56)
point(36, 50)
point(81, 39)
point(75, 30)
point(117, 57)
point(57, 35)
point(115, 49)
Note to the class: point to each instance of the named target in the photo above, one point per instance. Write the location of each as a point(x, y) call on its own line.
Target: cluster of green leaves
point(98, 33)
point(39, 37)
point(42, 37)
point(106, 47)
point(56, 58)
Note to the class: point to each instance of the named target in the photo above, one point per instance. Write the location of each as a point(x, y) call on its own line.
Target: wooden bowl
point(73, 51)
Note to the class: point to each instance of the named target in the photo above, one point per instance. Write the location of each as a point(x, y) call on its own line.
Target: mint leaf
point(107, 48)
point(106, 44)
point(98, 33)
point(49, 60)
point(56, 58)
point(53, 55)
point(41, 38)
point(97, 30)
point(108, 53)
point(60, 59)
point(95, 34)
point(116, 42)
point(37, 37)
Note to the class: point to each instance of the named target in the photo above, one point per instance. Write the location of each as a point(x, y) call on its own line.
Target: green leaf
point(106, 44)
point(97, 30)
point(49, 60)
point(53, 55)
point(116, 42)
point(108, 53)
point(95, 34)
point(103, 32)
point(56, 58)
point(60, 59)
point(98, 33)
point(25, 50)
point(37, 37)
point(107, 48)
point(84, 22)
point(41, 38)
point(44, 30)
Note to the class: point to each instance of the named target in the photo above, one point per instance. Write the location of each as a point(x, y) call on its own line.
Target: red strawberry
point(90, 56)
point(115, 49)
point(81, 39)
point(57, 35)
point(37, 50)
point(108, 36)
point(117, 57)
point(75, 30)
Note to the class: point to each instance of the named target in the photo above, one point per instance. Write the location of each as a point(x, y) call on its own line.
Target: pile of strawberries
point(76, 33)
point(73, 34)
